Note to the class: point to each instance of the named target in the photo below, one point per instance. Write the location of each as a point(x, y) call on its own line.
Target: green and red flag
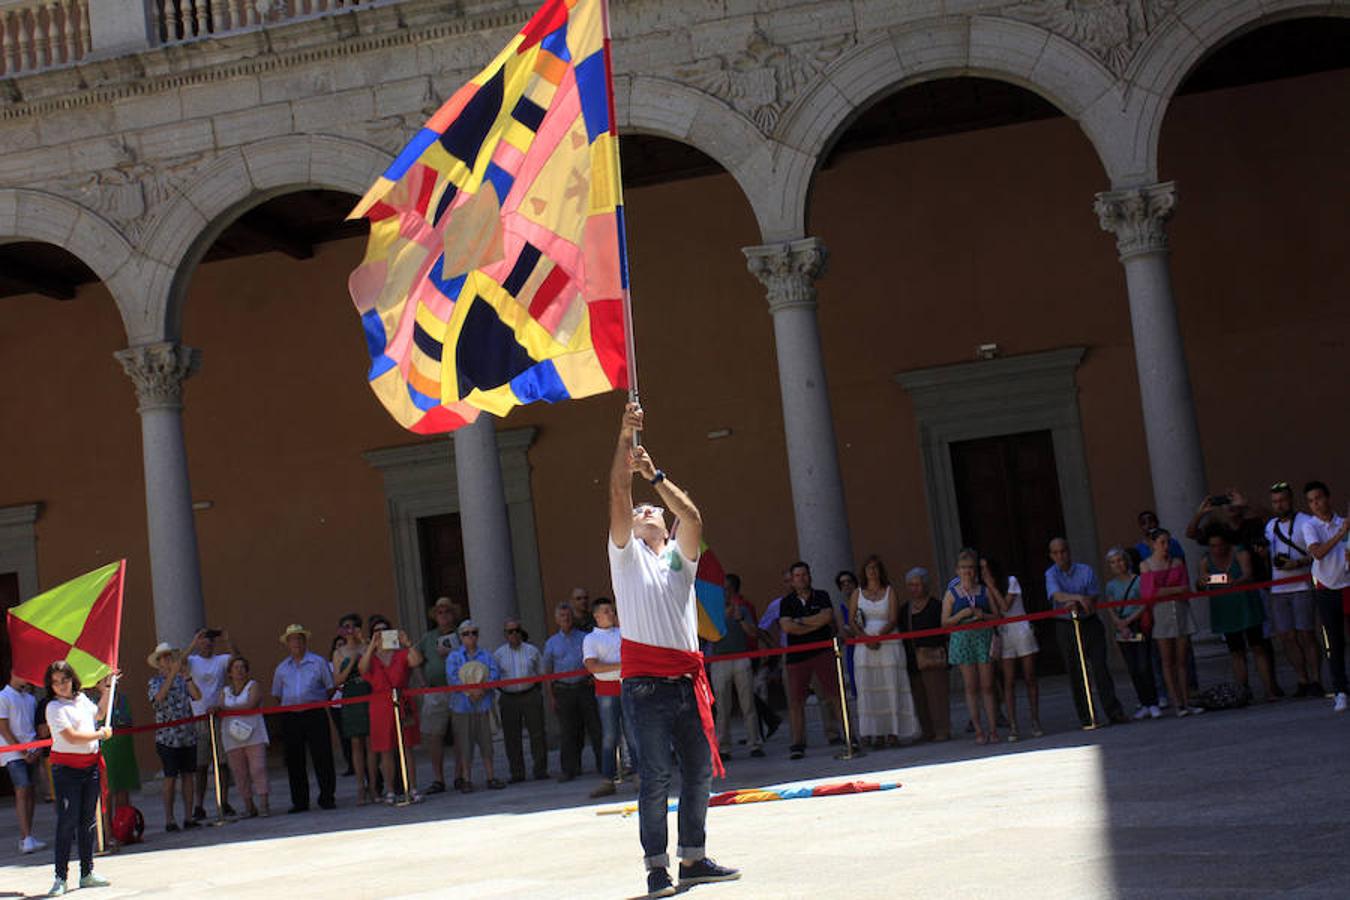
point(79, 621)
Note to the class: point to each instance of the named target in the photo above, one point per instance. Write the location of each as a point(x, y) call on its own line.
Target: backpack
point(128, 825)
point(1223, 696)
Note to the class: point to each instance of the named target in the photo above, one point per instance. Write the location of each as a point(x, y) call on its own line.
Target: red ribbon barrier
point(1061, 612)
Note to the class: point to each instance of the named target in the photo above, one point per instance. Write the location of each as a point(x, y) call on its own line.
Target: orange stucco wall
point(936, 246)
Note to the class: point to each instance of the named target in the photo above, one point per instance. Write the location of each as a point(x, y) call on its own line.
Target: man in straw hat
point(665, 690)
point(305, 677)
point(471, 711)
point(172, 691)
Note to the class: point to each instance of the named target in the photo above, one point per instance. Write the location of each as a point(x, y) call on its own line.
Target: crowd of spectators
point(897, 691)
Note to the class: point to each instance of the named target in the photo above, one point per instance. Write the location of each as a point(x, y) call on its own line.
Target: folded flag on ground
point(496, 272)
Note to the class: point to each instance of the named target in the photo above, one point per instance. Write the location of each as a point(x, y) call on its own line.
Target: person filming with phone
point(1237, 615)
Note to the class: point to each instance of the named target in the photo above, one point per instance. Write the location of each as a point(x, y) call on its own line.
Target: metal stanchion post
point(215, 770)
point(849, 752)
point(406, 798)
point(1082, 664)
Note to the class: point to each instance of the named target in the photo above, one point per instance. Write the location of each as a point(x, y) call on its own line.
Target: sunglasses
point(513, 631)
point(1279, 486)
point(473, 632)
point(640, 510)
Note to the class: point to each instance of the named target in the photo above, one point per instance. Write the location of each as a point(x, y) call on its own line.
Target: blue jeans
point(665, 729)
point(611, 732)
point(76, 801)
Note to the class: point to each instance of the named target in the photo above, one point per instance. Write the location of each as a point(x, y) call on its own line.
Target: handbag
point(931, 658)
point(239, 729)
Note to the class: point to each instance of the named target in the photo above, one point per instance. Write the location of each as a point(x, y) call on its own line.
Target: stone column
point(158, 371)
point(488, 565)
point(788, 272)
point(1138, 217)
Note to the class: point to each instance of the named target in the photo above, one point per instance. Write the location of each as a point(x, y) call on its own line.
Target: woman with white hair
point(930, 681)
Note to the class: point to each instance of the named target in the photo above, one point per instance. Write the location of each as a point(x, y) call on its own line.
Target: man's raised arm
point(621, 479)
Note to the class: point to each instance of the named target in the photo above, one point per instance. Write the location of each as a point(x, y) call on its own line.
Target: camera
point(1218, 578)
point(212, 633)
point(1281, 559)
point(1220, 500)
point(388, 639)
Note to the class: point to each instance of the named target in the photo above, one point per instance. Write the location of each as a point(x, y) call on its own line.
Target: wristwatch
point(658, 477)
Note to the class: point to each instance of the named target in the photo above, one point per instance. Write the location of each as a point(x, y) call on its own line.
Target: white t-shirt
point(655, 594)
point(603, 644)
point(18, 709)
point(1330, 571)
point(1293, 530)
point(79, 714)
point(209, 674)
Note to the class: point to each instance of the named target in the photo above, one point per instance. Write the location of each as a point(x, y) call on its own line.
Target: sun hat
point(160, 649)
point(294, 629)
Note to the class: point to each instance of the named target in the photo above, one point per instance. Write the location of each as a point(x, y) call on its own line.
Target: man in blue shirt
point(1073, 586)
point(573, 698)
point(304, 677)
point(471, 711)
point(1148, 522)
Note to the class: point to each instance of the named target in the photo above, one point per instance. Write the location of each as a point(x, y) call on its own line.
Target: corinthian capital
point(1138, 217)
point(158, 371)
point(789, 271)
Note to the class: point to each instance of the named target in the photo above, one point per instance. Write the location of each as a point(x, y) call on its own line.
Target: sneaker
point(1340, 702)
point(198, 813)
point(31, 844)
point(705, 870)
point(1141, 713)
point(172, 826)
point(191, 823)
point(659, 884)
point(1154, 712)
point(796, 751)
point(93, 879)
point(59, 888)
point(757, 753)
point(1195, 710)
point(228, 810)
point(1163, 702)
point(1181, 712)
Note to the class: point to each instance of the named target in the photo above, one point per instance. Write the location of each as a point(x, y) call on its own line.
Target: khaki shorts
point(473, 730)
point(435, 718)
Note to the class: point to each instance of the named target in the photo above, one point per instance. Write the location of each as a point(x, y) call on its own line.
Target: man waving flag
point(496, 272)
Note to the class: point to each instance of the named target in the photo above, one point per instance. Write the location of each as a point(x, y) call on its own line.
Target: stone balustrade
point(42, 34)
point(190, 20)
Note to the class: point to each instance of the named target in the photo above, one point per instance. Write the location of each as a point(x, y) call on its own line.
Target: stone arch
point(229, 185)
point(1181, 43)
point(672, 110)
point(28, 215)
point(984, 46)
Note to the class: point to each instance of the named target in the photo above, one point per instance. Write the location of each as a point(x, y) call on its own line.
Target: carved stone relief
point(761, 81)
point(129, 193)
point(1111, 30)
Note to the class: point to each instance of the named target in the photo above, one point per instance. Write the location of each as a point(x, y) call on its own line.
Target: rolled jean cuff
point(657, 862)
point(690, 854)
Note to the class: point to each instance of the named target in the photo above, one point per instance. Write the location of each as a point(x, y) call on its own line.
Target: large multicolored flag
point(496, 273)
point(710, 588)
point(79, 621)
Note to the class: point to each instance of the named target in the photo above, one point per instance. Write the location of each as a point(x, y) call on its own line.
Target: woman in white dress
point(1017, 642)
point(886, 714)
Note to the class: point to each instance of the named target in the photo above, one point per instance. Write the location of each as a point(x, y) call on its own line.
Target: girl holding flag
point(73, 719)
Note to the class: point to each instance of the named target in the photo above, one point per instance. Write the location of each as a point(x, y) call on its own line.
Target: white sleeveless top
point(231, 700)
point(874, 613)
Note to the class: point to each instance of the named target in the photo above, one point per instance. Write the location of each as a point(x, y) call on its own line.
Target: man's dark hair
point(1316, 486)
point(601, 601)
point(799, 565)
point(1145, 512)
point(842, 574)
point(1220, 531)
point(354, 618)
point(66, 669)
point(733, 583)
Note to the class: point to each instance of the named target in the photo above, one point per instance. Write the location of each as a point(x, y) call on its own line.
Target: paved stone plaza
point(1248, 803)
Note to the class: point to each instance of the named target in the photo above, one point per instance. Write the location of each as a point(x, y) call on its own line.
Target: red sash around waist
point(666, 662)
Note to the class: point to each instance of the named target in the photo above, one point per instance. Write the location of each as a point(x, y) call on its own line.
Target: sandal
point(893, 741)
point(362, 796)
point(1036, 730)
point(389, 798)
point(796, 751)
point(980, 738)
point(994, 738)
point(1013, 736)
point(495, 785)
point(414, 796)
point(436, 787)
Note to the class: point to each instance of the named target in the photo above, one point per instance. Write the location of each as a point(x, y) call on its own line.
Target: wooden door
point(1007, 491)
point(442, 545)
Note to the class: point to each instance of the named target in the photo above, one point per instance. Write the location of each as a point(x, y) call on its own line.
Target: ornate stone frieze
point(788, 271)
point(762, 80)
point(158, 371)
point(1138, 217)
point(128, 193)
point(1111, 30)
